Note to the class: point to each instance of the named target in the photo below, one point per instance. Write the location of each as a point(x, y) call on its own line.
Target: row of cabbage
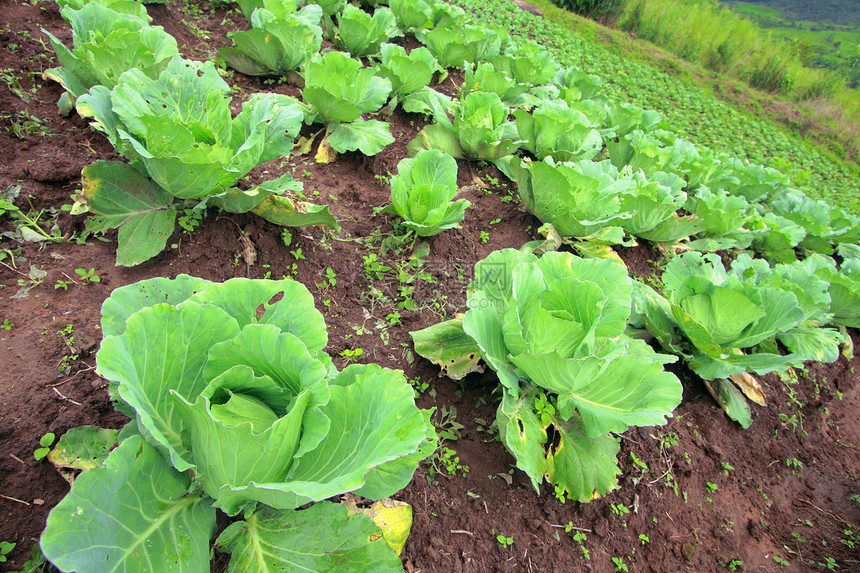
point(637, 192)
point(244, 412)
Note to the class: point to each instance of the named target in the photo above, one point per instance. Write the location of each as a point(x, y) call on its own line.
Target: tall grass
point(703, 32)
point(711, 35)
point(594, 9)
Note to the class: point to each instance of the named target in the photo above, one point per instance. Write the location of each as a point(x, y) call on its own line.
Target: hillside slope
point(710, 118)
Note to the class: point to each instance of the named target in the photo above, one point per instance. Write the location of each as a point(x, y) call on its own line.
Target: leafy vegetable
point(179, 128)
point(130, 7)
point(278, 42)
point(240, 370)
point(624, 118)
point(555, 130)
point(106, 43)
point(844, 287)
point(581, 199)
point(412, 15)
point(407, 73)
point(423, 193)
point(340, 90)
point(455, 46)
point(361, 34)
point(727, 321)
point(527, 63)
point(723, 217)
point(554, 326)
point(480, 130)
point(484, 77)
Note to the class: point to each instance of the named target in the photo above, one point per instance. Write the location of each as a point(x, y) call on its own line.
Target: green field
point(832, 46)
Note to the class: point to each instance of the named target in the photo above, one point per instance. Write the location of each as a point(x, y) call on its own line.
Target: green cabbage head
point(232, 395)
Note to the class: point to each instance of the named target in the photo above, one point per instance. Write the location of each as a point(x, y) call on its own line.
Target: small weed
point(580, 538)
point(449, 427)
point(23, 125)
point(420, 387)
point(793, 464)
point(544, 408)
point(780, 561)
point(641, 466)
point(734, 564)
point(643, 539)
point(5, 549)
point(373, 269)
point(619, 563)
point(829, 563)
point(485, 236)
point(68, 336)
point(297, 254)
point(190, 219)
point(726, 467)
point(330, 276)
point(351, 354)
point(505, 541)
point(619, 509)
point(45, 446)
point(711, 487)
point(88, 276)
point(7, 324)
point(448, 461)
point(798, 537)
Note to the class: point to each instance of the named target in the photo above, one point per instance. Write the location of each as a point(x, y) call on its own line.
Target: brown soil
point(706, 492)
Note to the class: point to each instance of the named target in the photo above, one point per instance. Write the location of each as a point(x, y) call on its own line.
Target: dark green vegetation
point(833, 11)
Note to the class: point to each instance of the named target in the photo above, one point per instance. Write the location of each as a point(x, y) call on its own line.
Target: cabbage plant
point(423, 191)
point(235, 406)
point(558, 131)
point(486, 78)
point(844, 286)
point(106, 43)
point(724, 220)
point(527, 63)
point(411, 75)
point(178, 129)
point(581, 200)
point(361, 33)
point(340, 90)
point(480, 130)
point(727, 322)
point(553, 330)
point(279, 41)
point(457, 45)
point(130, 7)
point(412, 15)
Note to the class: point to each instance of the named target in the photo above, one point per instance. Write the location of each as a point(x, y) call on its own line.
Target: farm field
point(698, 493)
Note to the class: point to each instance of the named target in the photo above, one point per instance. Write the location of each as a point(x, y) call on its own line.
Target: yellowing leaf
point(392, 516)
point(749, 386)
